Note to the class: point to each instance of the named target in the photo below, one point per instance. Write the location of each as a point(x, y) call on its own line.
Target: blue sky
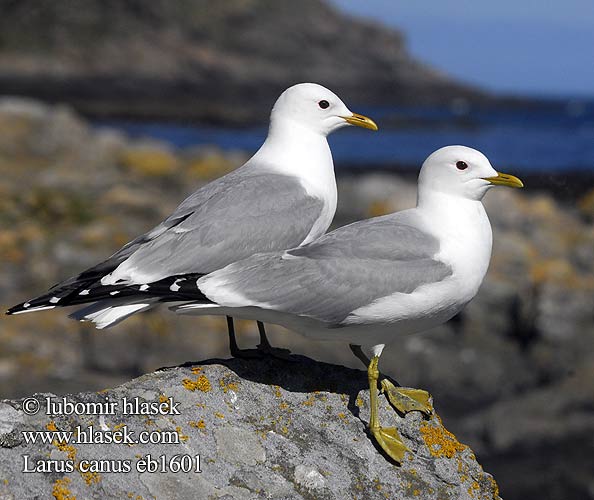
point(513, 46)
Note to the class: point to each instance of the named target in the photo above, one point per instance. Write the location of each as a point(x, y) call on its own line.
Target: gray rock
point(261, 429)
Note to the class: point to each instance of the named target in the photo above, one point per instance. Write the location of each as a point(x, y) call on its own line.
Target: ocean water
point(555, 137)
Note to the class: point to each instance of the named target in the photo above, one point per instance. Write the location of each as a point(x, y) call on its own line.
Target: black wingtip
point(15, 309)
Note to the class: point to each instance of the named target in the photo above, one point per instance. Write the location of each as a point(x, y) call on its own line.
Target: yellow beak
point(505, 180)
point(360, 121)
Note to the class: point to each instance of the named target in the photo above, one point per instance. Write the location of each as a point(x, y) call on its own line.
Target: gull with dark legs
point(283, 197)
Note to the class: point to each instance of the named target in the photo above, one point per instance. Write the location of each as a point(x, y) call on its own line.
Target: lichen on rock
point(255, 437)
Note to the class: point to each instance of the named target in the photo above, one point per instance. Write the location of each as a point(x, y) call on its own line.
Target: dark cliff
point(203, 59)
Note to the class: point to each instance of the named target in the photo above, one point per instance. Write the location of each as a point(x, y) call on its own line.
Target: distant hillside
point(203, 59)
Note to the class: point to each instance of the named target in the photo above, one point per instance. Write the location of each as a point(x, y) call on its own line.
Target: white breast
point(306, 156)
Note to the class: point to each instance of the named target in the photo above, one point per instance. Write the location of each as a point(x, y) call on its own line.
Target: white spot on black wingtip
point(85, 292)
point(143, 288)
point(175, 287)
point(26, 304)
point(54, 300)
point(115, 292)
point(38, 308)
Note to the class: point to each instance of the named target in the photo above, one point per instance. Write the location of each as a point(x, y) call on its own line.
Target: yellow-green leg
point(387, 437)
point(404, 399)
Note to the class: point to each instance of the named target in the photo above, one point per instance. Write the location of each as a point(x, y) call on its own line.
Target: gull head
point(317, 109)
point(462, 171)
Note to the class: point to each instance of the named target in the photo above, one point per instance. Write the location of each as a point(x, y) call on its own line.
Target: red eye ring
point(461, 165)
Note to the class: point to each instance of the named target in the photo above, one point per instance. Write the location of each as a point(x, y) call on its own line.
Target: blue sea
point(553, 137)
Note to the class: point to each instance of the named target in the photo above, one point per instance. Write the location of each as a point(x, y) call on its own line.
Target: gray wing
point(227, 220)
point(340, 272)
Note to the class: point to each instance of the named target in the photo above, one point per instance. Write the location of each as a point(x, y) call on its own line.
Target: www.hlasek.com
point(121, 434)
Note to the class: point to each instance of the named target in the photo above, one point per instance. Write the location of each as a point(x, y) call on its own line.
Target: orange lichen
point(189, 384)
point(201, 383)
point(219, 415)
point(495, 487)
point(231, 386)
point(196, 370)
point(164, 399)
point(181, 435)
point(440, 441)
point(91, 477)
point(60, 490)
point(310, 400)
point(198, 425)
point(70, 450)
point(277, 391)
point(474, 487)
point(66, 448)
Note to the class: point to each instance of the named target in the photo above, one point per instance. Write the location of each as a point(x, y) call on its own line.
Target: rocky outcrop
point(262, 429)
point(203, 59)
point(512, 375)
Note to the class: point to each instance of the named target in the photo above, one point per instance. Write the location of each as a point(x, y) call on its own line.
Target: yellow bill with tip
point(505, 180)
point(360, 121)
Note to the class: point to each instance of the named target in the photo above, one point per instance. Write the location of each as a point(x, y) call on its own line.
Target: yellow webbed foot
point(406, 399)
point(390, 441)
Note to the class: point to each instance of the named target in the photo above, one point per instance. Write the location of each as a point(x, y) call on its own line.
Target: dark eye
point(323, 104)
point(461, 165)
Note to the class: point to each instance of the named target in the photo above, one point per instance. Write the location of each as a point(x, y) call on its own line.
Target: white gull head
point(462, 172)
point(316, 108)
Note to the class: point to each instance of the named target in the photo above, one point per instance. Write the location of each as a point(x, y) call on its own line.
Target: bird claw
point(247, 353)
point(262, 351)
point(276, 352)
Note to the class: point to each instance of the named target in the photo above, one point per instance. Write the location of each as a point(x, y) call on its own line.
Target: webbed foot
point(406, 399)
point(390, 441)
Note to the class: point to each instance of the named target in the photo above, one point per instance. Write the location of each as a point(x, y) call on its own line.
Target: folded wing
point(347, 269)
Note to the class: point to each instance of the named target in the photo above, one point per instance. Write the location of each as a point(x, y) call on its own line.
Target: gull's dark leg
point(265, 347)
point(359, 354)
point(264, 344)
point(236, 352)
point(233, 347)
